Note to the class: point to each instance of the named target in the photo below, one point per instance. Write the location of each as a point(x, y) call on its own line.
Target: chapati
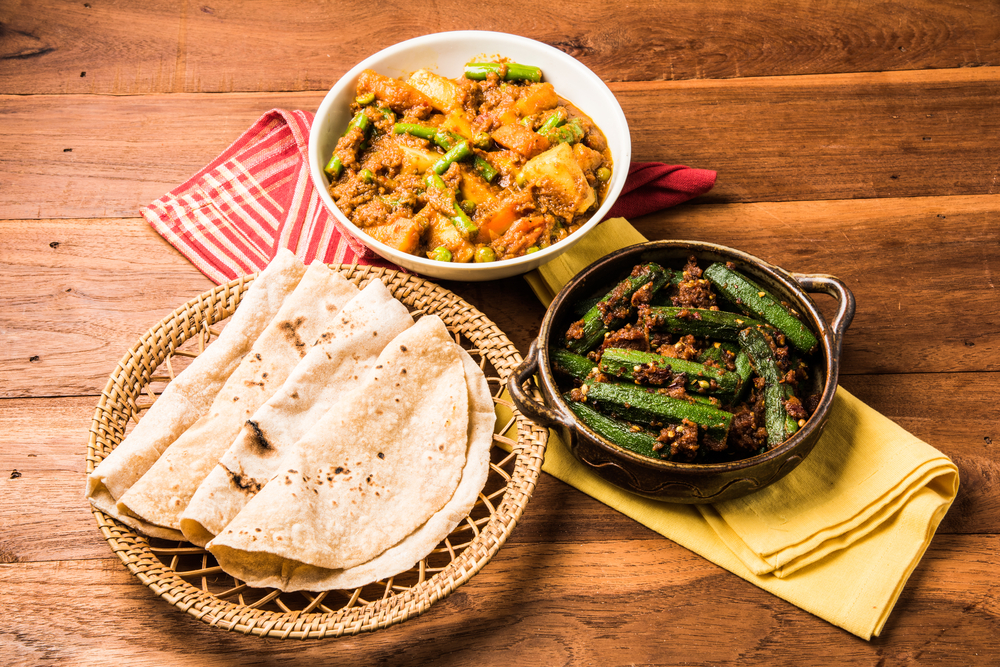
point(385, 461)
point(190, 395)
point(163, 492)
point(329, 370)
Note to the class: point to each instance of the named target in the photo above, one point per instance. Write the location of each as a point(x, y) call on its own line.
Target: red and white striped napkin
point(230, 218)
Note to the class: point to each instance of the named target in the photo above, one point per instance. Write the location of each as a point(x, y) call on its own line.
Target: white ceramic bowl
point(447, 53)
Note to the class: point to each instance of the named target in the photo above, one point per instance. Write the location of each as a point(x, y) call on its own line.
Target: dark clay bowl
point(670, 480)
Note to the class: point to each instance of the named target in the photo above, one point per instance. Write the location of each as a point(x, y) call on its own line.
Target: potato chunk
point(402, 234)
point(419, 159)
point(397, 95)
point(558, 177)
point(442, 232)
point(443, 93)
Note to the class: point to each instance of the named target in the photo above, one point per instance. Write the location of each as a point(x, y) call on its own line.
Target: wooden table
point(853, 140)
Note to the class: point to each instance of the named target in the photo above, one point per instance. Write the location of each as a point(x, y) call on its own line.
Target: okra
point(618, 432)
point(576, 366)
point(780, 425)
point(634, 403)
point(756, 301)
point(715, 324)
point(610, 312)
point(701, 379)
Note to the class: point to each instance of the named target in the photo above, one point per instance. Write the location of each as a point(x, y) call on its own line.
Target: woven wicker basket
point(189, 578)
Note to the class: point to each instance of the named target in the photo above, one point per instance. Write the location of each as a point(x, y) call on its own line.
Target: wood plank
point(47, 446)
point(51, 47)
point(845, 136)
point(771, 139)
point(545, 604)
point(77, 295)
point(83, 307)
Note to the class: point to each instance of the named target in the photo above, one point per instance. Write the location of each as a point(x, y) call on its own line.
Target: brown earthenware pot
point(670, 480)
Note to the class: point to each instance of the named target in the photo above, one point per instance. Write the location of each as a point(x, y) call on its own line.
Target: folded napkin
point(838, 536)
point(231, 217)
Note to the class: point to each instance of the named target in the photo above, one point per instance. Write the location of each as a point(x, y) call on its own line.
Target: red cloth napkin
point(654, 186)
point(230, 218)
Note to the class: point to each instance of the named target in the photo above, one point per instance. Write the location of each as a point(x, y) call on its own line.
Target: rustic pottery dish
point(670, 480)
point(447, 53)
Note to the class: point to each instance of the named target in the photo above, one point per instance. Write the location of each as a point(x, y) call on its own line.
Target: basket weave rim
point(117, 404)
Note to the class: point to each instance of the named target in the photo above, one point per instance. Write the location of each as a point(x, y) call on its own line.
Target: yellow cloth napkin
point(838, 536)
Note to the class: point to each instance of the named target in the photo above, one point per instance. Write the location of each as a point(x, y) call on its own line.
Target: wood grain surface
point(855, 140)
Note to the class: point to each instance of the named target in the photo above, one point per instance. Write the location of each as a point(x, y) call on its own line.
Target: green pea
point(530, 250)
point(520, 179)
point(603, 174)
point(482, 140)
point(485, 254)
point(468, 206)
point(365, 99)
point(440, 254)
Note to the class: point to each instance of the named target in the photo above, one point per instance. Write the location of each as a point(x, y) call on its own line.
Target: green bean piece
point(366, 99)
point(366, 175)
point(359, 121)
point(532, 249)
point(458, 152)
point(460, 219)
point(422, 131)
point(440, 254)
point(435, 181)
point(448, 140)
point(603, 174)
point(333, 167)
point(485, 254)
point(485, 170)
point(511, 71)
point(464, 223)
point(555, 119)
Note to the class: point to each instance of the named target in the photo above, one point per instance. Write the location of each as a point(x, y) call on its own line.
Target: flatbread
point(408, 552)
point(375, 469)
point(160, 495)
point(192, 392)
point(331, 369)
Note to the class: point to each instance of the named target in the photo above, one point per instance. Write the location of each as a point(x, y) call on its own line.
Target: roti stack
point(192, 392)
point(323, 441)
point(382, 464)
point(161, 495)
point(331, 368)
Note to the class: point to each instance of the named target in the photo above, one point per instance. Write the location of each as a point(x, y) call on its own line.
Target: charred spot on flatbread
point(291, 330)
point(243, 482)
point(257, 438)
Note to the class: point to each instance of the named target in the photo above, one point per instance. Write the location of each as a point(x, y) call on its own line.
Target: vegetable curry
point(489, 166)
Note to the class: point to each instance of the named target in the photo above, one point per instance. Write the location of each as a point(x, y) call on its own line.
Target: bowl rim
point(828, 348)
point(470, 271)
